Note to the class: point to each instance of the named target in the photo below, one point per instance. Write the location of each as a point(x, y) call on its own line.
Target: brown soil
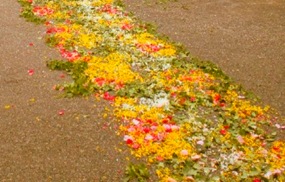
point(245, 38)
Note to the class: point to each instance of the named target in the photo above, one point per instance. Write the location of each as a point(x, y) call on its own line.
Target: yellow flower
point(101, 2)
point(112, 67)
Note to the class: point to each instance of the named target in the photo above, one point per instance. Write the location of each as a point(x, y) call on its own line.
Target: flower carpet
point(181, 115)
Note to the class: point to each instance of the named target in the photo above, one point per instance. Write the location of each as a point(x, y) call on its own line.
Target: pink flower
point(160, 136)
point(174, 127)
point(167, 127)
point(135, 122)
point(153, 128)
point(69, 55)
point(148, 137)
point(135, 146)
point(200, 142)
point(131, 129)
point(184, 152)
point(240, 139)
point(109, 9)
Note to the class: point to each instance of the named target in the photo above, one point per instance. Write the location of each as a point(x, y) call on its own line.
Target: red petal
point(61, 112)
point(31, 72)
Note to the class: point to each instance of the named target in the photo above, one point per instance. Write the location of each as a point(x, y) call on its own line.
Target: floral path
point(180, 114)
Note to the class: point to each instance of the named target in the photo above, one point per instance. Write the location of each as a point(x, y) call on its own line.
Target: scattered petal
point(61, 112)
point(31, 72)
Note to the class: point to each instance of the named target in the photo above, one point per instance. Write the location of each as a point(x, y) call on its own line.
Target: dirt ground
point(245, 38)
point(36, 142)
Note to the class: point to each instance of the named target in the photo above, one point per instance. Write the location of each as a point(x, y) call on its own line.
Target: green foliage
point(27, 13)
point(80, 84)
point(137, 172)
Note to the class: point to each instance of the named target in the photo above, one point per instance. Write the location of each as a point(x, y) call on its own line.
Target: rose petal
point(31, 72)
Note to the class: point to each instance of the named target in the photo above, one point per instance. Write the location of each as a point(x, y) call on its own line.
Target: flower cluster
point(193, 123)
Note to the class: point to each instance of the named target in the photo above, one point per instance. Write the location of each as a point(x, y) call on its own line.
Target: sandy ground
point(36, 143)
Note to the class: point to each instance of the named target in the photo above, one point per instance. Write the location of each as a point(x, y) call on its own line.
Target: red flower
point(169, 117)
point(173, 94)
point(127, 26)
point(187, 78)
point(109, 97)
point(256, 180)
point(277, 149)
point(216, 98)
point(55, 30)
point(164, 121)
point(129, 141)
point(182, 101)
point(146, 130)
point(42, 11)
point(70, 55)
point(119, 85)
point(226, 127)
point(159, 158)
point(109, 9)
point(223, 104)
point(149, 121)
point(223, 131)
point(100, 81)
point(148, 47)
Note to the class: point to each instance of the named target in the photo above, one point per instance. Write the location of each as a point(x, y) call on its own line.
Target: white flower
point(128, 137)
point(135, 122)
point(200, 142)
point(268, 174)
point(148, 137)
point(195, 157)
